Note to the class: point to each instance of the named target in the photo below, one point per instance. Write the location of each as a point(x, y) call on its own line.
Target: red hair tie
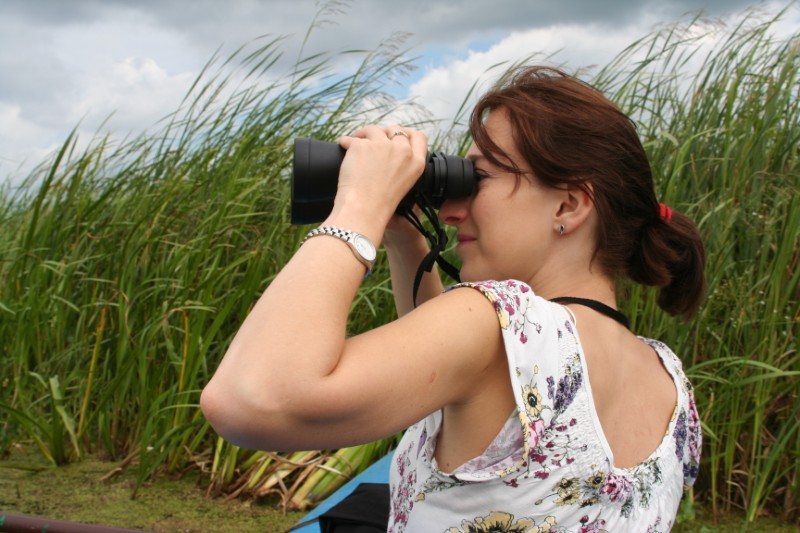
point(664, 212)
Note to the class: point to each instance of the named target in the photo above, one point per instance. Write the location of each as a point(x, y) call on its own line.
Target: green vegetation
point(126, 268)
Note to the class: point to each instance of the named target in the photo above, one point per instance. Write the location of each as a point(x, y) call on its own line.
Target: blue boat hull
point(376, 473)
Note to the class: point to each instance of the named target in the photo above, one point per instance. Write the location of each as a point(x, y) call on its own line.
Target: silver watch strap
point(345, 235)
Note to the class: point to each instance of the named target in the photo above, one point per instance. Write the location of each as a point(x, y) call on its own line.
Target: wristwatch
point(362, 247)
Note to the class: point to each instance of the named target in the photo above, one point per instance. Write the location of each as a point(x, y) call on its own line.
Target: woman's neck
point(576, 282)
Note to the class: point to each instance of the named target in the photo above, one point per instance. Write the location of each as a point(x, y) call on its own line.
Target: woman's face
point(506, 227)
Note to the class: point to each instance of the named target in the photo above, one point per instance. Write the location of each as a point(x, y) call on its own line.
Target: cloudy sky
point(118, 66)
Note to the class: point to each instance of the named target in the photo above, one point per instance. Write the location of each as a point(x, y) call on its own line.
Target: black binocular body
point(315, 176)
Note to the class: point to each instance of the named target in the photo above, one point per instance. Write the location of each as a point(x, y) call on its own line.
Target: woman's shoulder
point(492, 285)
point(670, 359)
point(514, 301)
point(508, 291)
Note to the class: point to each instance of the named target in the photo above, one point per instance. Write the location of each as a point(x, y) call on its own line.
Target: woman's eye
point(480, 175)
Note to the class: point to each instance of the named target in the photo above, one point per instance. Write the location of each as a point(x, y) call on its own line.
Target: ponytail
point(671, 256)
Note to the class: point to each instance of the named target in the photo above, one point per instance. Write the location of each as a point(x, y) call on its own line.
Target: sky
point(119, 66)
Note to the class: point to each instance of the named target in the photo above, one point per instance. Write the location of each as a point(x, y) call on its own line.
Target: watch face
point(365, 247)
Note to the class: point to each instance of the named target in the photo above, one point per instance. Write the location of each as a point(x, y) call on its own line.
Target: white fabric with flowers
point(550, 469)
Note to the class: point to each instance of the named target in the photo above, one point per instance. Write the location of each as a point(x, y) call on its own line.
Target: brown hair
point(570, 134)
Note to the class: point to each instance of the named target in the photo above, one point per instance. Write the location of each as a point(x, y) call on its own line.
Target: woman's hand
point(380, 167)
point(400, 233)
point(405, 248)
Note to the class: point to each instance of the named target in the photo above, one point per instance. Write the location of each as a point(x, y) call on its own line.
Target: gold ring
point(400, 132)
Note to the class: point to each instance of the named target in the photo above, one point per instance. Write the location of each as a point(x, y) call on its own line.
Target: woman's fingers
point(382, 162)
point(369, 132)
point(417, 139)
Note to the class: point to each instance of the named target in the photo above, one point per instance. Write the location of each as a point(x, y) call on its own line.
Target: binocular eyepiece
point(315, 176)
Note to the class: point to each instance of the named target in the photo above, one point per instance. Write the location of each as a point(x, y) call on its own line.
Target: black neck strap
point(600, 307)
point(436, 239)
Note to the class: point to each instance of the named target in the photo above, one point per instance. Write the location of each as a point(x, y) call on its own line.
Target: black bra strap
point(600, 307)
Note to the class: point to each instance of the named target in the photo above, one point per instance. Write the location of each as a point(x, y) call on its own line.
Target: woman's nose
point(453, 210)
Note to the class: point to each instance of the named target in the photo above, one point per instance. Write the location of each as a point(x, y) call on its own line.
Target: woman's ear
point(575, 208)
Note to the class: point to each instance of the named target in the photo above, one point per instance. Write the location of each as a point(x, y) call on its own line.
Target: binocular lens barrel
point(315, 176)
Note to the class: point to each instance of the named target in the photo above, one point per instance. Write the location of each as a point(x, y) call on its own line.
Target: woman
point(560, 419)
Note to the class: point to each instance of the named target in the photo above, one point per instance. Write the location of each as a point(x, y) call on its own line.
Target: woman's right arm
point(292, 379)
point(405, 249)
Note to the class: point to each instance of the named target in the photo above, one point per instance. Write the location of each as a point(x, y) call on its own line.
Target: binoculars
point(315, 176)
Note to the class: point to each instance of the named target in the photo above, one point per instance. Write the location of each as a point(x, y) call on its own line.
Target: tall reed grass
point(126, 268)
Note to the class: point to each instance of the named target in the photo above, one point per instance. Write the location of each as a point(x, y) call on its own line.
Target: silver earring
point(561, 229)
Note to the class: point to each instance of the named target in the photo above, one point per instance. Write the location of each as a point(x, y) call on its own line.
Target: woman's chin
point(468, 275)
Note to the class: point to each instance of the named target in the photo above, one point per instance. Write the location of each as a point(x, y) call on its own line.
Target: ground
point(99, 492)
point(96, 492)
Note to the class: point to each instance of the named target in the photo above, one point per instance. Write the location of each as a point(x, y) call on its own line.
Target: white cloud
point(22, 141)
point(131, 93)
point(122, 98)
point(572, 47)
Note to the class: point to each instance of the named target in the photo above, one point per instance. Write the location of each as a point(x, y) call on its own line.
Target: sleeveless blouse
point(550, 469)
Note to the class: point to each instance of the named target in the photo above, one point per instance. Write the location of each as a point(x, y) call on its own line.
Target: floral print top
point(550, 469)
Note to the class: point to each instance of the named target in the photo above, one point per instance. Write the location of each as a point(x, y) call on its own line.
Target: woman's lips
point(464, 239)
